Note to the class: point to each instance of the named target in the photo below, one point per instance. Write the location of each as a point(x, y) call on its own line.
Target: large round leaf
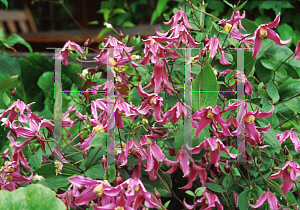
point(33, 197)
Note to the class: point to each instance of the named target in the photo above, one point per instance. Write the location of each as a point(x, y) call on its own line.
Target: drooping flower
point(289, 172)
point(234, 22)
point(152, 46)
point(159, 79)
point(214, 146)
point(183, 160)
point(181, 17)
point(288, 134)
point(175, 113)
point(13, 110)
point(297, 51)
point(270, 198)
point(208, 201)
point(239, 76)
point(69, 46)
point(196, 170)
point(206, 116)
point(265, 31)
point(213, 45)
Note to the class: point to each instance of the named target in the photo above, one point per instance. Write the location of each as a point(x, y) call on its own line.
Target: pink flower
point(183, 160)
point(206, 116)
point(69, 46)
point(297, 51)
point(240, 76)
point(181, 35)
point(234, 22)
point(208, 201)
point(265, 31)
point(270, 198)
point(179, 16)
point(215, 146)
point(213, 45)
point(175, 113)
point(156, 49)
point(290, 171)
point(14, 109)
point(291, 136)
point(195, 171)
point(131, 147)
point(159, 79)
point(118, 55)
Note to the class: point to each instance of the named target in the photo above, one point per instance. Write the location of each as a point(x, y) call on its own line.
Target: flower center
point(152, 42)
point(71, 48)
point(120, 112)
point(289, 169)
point(16, 109)
point(152, 101)
point(148, 140)
point(262, 32)
point(209, 114)
point(228, 27)
point(136, 188)
point(9, 178)
point(119, 208)
point(112, 62)
point(98, 128)
point(98, 190)
point(206, 201)
point(217, 145)
point(249, 119)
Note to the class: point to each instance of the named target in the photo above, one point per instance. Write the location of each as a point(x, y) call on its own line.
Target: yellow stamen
point(262, 32)
point(228, 27)
point(249, 119)
point(119, 208)
point(152, 42)
point(98, 128)
point(209, 114)
point(16, 109)
point(98, 190)
point(136, 188)
point(9, 178)
point(152, 101)
point(289, 169)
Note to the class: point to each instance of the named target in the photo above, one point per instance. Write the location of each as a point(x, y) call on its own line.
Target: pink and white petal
point(260, 201)
point(275, 37)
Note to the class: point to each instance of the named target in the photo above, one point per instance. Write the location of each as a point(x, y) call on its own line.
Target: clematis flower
point(13, 110)
point(133, 147)
point(234, 22)
point(175, 113)
point(196, 170)
point(69, 46)
point(206, 116)
point(240, 76)
point(297, 51)
point(179, 16)
point(159, 79)
point(213, 45)
point(290, 171)
point(118, 55)
point(208, 201)
point(291, 136)
point(270, 198)
point(181, 36)
point(153, 102)
point(265, 31)
point(215, 146)
point(152, 46)
point(183, 160)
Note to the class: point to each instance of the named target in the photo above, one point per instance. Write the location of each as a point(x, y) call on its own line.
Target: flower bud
point(236, 198)
point(205, 40)
point(285, 150)
point(192, 11)
point(137, 35)
point(171, 151)
point(122, 36)
point(87, 96)
point(265, 86)
point(108, 25)
point(227, 167)
point(259, 160)
point(157, 195)
point(104, 163)
point(252, 201)
point(80, 96)
point(86, 43)
point(13, 92)
point(119, 179)
point(80, 116)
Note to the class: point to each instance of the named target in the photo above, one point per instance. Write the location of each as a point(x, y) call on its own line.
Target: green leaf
point(160, 187)
point(6, 99)
point(9, 66)
point(55, 182)
point(256, 152)
point(160, 8)
point(128, 24)
point(228, 3)
point(5, 3)
point(36, 160)
point(111, 171)
point(9, 83)
point(35, 196)
point(95, 172)
point(289, 88)
point(249, 25)
point(119, 11)
point(268, 64)
point(105, 13)
point(205, 81)
point(270, 138)
point(95, 22)
point(214, 187)
point(243, 200)
point(190, 193)
point(272, 91)
point(96, 77)
point(16, 39)
point(99, 140)
point(199, 191)
point(241, 6)
point(104, 31)
point(45, 81)
point(167, 204)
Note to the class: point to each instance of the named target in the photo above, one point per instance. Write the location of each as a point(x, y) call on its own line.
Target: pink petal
point(275, 37)
point(257, 43)
point(260, 201)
